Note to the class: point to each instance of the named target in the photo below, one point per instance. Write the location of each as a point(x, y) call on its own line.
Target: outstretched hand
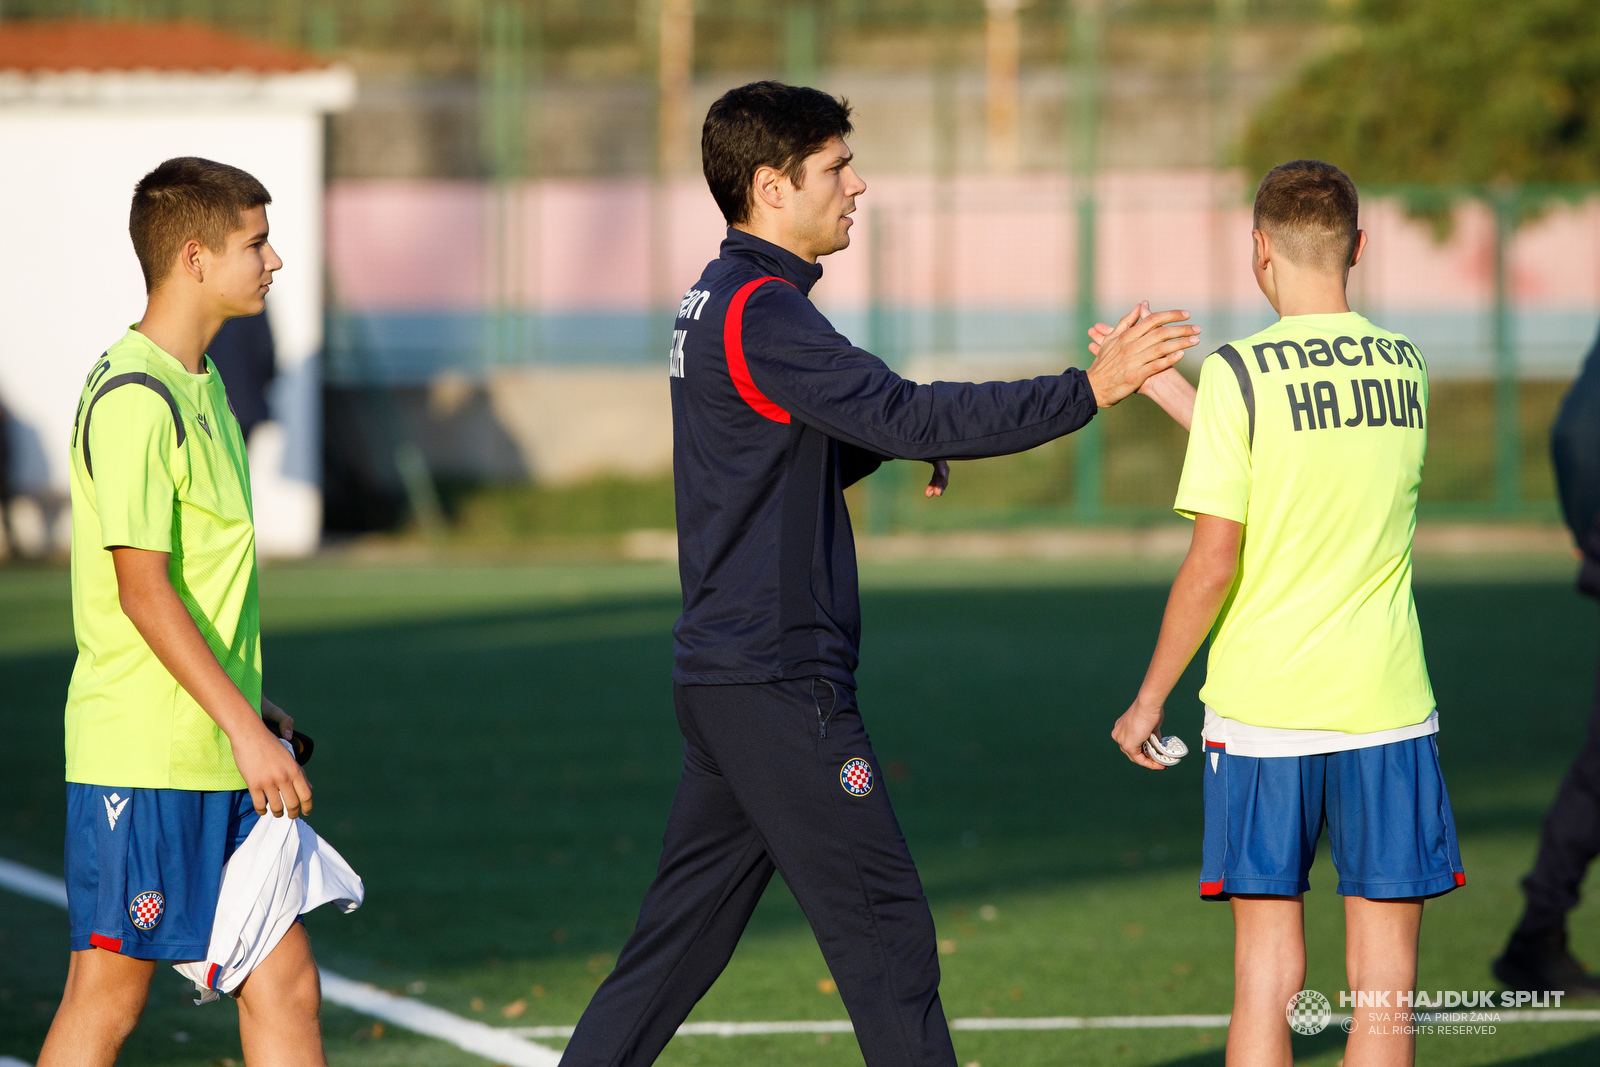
point(1141, 345)
point(940, 480)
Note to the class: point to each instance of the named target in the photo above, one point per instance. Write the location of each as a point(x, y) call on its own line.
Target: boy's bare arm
point(1171, 391)
point(153, 606)
point(1197, 595)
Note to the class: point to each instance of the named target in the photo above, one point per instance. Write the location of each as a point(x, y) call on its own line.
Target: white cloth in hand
point(281, 871)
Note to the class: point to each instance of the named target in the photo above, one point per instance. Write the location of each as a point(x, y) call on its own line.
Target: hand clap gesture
point(1137, 348)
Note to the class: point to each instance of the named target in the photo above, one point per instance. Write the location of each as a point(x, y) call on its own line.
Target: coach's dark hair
point(765, 124)
point(1310, 209)
point(187, 199)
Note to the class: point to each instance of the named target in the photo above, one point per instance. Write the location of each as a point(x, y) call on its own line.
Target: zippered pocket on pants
point(833, 705)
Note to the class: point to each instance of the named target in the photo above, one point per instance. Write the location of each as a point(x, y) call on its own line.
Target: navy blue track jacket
point(774, 413)
point(1575, 454)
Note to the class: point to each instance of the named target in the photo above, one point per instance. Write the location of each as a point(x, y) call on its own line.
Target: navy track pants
point(763, 789)
point(1569, 841)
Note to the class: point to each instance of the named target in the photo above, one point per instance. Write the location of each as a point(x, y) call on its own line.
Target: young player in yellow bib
point(172, 752)
point(1304, 460)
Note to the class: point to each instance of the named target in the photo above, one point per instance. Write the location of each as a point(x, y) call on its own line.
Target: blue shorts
point(144, 866)
point(1386, 809)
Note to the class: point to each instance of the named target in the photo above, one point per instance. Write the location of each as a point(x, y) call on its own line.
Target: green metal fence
point(1488, 435)
point(1138, 457)
point(1498, 369)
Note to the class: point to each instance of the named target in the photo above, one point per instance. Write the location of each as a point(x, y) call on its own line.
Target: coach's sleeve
point(1216, 469)
point(805, 366)
point(856, 463)
point(131, 442)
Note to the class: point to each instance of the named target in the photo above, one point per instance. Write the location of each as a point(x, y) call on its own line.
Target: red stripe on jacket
point(733, 345)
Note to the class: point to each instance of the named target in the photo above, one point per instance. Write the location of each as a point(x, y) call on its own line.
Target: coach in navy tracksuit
point(1538, 957)
point(774, 414)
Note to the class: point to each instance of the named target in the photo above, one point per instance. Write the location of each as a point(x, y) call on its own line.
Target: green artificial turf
point(496, 752)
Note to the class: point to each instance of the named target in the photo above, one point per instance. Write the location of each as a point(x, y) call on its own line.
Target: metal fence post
point(1505, 202)
point(501, 89)
point(879, 489)
point(674, 29)
point(946, 83)
point(1087, 34)
point(532, 192)
point(801, 42)
point(1224, 190)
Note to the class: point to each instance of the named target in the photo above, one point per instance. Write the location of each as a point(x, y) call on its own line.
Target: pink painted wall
point(1003, 242)
point(584, 245)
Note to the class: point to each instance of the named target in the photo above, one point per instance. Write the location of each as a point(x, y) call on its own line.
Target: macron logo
point(114, 805)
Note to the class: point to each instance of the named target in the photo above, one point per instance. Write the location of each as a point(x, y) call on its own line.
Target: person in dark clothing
point(774, 414)
point(244, 355)
point(1537, 957)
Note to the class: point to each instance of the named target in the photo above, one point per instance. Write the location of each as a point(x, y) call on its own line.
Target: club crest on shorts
point(146, 909)
point(856, 777)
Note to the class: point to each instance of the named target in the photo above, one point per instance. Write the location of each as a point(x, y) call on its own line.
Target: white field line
point(819, 1026)
point(1095, 1022)
point(842, 1026)
point(1077, 1022)
point(497, 1044)
point(32, 883)
point(493, 1043)
point(510, 1045)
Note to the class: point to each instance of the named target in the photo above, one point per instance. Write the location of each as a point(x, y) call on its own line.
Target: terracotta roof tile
point(48, 45)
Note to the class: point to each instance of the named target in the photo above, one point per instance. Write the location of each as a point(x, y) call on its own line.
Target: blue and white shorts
point(1386, 809)
point(144, 866)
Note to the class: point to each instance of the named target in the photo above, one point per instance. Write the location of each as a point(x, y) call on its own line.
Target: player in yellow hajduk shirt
point(158, 463)
point(1305, 455)
point(169, 759)
point(1311, 435)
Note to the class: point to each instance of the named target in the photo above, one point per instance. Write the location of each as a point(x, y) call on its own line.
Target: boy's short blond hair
point(1309, 208)
point(188, 199)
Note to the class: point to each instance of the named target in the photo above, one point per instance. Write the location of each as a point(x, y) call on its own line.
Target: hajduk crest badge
point(856, 777)
point(146, 909)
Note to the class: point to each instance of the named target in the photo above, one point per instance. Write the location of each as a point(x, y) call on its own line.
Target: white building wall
point(70, 284)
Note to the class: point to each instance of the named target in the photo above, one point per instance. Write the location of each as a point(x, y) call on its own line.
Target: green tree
point(1446, 91)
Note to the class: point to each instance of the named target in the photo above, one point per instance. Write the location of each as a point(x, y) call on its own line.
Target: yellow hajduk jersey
point(158, 463)
point(1312, 434)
